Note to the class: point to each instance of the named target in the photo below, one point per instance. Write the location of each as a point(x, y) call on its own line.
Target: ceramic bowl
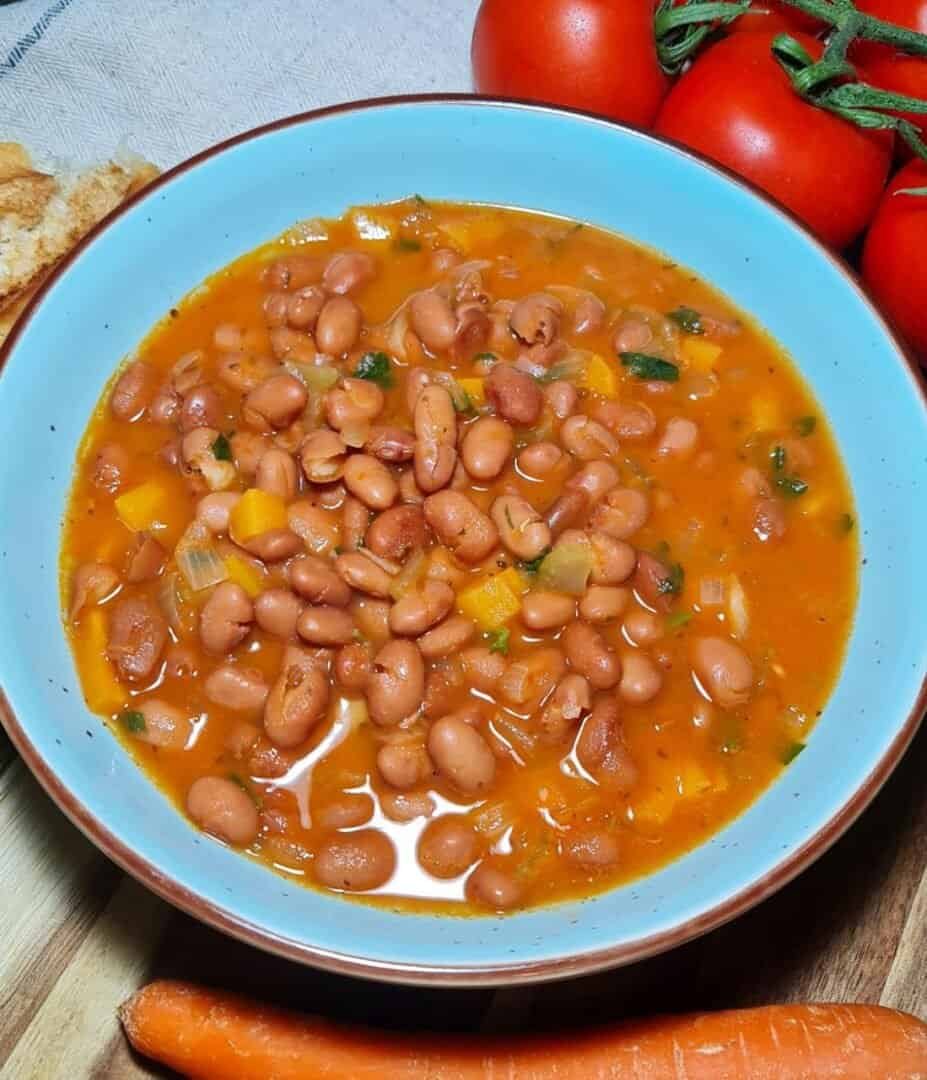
point(228, 200)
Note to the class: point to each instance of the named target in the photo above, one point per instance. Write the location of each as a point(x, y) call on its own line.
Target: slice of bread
point(43, 216)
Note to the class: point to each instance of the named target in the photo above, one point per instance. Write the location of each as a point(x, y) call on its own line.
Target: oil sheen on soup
point(459, 557)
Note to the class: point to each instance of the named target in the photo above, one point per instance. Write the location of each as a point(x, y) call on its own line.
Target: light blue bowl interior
point(130, 275)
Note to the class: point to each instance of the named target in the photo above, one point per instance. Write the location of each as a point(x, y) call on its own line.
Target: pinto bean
point(539, 459)
point(389, 443)
point(487, 446)
point(236, 687)
point(202, 407)
point(165, 407)
point(482, 667)
point(642, 627)
point(601, 750)
point(603, 603)
point(587, 439)
point(447, 846)
point(630, 420)
point(529, 679)
point(570, 699)
point(289, 344)
point(416, 381)
point(396, 686)
point(443, 260)
point(294, 272)
point(319, 529)
point(275, 545)
point(296, 703)
point(303, 306)
point(325, 625)
point(494, 888)
point(621, 513)
point(371, 617)
point(590, 654)
point(338, 326)
point(566, 511)
point(403, 765)
point(397, 532)
point(653, 582)
point(461, 755)
point(222, 809)
point(421, 608)
point(433, 321)
point(723, 670)
point(276, 473)
point(615, 560)
point(247, 450)
point(641, 679)
point(514, 395)
point(588, 315)
point(447, 637)
point(521, 528)
point(535, 319)
point(679, 438)
point(353, 667)
point(146, 562)
point(544, 610)
point(347, 811)
point(93, 583)
point(592, 848)
point(243, 371)
point(134, 391)
point(595, 480)
point(370, 481)
point(111, 467)
point(562, 398)
point(472, 330)
point(165, 726)
point(355, 861)
point(276, 402)
point(137, 636)
point(354, 403)
point(225, 618)
point(461, 526)
point(355, 519)
point(348, 270)
point(361, 573)
point(276, 612)
point(322, 455)
point(436, 438)
point(315, 580)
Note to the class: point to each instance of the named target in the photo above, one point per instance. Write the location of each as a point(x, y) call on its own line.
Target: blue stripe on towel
point(33, 37)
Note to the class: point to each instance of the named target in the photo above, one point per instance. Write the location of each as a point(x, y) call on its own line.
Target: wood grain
point(80, 936)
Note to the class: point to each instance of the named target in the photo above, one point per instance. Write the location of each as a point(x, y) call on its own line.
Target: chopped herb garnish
point(377, 367)
point(462, 401)
point(777, 457)
point(532, 566)
point(338, 549)
point(805, 425)
point(649, 368)
point(404, 243)
point(133, 721)
point(221, 450)
point(236, 779)
point(846, 523)
point(791, 752)
point(499, 641)
point(678, 619)
point(731, 745)
point(791, 486)
point(487, 357)
point(687, 319)
point(508, 517)
point(420, 200)
point(672, 584)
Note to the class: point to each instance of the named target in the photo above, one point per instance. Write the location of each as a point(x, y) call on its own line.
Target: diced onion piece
point(737, 611)
point(317, 377)
point(567, 568)
point(409, 576)
point(711, 592)
point(218, 475)
point(201, 567)
point(395, 329)
point(571, 366)
point(698, 385)
point(169, 600)
point(351, 713)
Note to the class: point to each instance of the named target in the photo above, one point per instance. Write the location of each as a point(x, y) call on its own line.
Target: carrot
point(210, 1035)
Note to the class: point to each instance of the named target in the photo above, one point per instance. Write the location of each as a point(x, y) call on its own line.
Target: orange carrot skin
point(210, 1035)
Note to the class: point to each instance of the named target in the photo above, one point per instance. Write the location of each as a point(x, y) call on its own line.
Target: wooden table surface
point(79, 936)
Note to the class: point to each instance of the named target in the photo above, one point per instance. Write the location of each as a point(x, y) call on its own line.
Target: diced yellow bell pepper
point(701, 354)
point(680, 782)
point(765, 413)
point(467, 233)
point(475, 391)
point(101, 688)
point(493, 600)
point(256, 512)
point(146, 507)
point(599, 377)
point(244, 574)
point(373, 228)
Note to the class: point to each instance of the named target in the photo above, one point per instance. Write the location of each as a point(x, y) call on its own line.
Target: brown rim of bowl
point(461, 975)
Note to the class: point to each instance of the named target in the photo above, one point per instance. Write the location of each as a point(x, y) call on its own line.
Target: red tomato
point(599, 55)
point(894, 266)
point(736, 105)
point(885, 67)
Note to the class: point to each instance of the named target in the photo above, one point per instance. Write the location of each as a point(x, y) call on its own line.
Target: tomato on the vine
point(887, 68)
point(893, 263)
point(737, 106)
point(598, 55)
